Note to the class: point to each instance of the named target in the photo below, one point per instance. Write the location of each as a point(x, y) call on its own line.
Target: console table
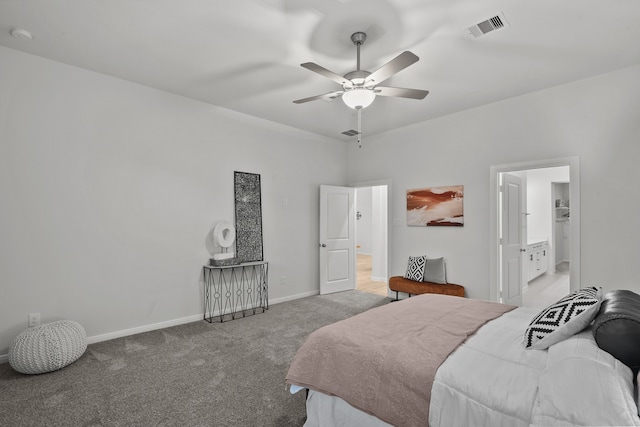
point(233, 289)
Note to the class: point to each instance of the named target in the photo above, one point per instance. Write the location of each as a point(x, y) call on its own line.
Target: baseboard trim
point(144, 328)
point(293, 297)
point(4, 358)
point(176, 322)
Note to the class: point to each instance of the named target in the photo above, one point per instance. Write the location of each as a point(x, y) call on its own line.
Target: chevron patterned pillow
point(563, 319)
point(415, 268)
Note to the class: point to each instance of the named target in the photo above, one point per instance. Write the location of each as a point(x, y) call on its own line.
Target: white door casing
point(512, 245)
point(337, 239)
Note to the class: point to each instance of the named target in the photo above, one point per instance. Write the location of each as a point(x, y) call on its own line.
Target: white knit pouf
point(47, 347)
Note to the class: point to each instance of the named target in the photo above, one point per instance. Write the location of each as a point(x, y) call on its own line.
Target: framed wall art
point(436, 206)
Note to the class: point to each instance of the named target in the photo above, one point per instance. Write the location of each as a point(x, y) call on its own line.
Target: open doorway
point(545, 267)
point(542, 278)
point(372, 239)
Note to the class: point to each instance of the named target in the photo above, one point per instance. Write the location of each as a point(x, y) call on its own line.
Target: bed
point(439, 360)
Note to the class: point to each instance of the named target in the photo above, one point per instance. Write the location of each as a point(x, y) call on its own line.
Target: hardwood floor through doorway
point(364, 282)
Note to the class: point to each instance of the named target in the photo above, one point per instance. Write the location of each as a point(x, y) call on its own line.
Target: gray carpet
point(198, 374)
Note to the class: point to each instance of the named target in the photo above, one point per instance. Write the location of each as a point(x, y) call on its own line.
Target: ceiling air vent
point(495, 23)
point(351, 132)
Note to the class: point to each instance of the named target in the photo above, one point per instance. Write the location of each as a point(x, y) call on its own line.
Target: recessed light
point(20, 33)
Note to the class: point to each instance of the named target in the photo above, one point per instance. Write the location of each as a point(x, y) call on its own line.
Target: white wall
point(109, 189)
point(595, 119)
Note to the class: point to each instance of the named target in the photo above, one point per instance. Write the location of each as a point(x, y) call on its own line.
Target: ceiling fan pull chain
point(360, 127)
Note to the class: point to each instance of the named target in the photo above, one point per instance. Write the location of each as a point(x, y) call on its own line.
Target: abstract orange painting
point(436, 206)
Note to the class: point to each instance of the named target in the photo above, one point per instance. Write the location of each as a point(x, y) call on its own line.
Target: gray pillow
point(435, 272)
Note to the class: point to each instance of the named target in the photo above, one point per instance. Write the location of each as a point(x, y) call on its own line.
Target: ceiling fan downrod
point(358, 39)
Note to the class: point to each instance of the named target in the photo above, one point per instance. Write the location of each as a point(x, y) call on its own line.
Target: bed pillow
point(415, 268)
point(563, 319)
point(435, 271)
point(616, 328)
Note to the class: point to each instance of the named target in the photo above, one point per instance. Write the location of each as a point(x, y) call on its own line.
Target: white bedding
point(492, 380)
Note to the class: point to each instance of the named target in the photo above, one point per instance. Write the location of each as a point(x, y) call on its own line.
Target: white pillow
point(415, 268)
point(563, 319)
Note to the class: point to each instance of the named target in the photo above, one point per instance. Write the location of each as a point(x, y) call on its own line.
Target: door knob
point(323, 245)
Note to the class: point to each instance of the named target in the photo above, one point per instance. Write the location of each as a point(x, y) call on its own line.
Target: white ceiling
point(245, 55)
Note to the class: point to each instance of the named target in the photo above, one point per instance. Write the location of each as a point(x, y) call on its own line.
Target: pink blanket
point(383, 361)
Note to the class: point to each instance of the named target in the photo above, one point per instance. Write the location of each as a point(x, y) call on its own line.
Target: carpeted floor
point(198, 374)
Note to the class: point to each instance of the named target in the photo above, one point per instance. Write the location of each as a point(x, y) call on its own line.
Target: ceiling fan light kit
point(358, 97)
point(359, 87)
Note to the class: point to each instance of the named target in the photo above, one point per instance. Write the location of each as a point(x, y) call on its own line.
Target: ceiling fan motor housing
point(357, 78)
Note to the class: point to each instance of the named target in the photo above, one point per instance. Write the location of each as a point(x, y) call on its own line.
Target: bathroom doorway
point(547, 254)
point(543, 280)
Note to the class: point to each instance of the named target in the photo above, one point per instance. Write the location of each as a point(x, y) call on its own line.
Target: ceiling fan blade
point(324, 72)
point(400, 92)
point(398, 63)
point(325, 97)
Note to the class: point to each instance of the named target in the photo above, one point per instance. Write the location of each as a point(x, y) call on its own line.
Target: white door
point(337, 239)
point(511, 243)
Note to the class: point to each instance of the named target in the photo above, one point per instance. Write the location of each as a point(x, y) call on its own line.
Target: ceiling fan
point(360, 87)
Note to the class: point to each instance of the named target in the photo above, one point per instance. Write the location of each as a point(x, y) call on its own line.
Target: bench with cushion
point(425, 276)
point(412, 287)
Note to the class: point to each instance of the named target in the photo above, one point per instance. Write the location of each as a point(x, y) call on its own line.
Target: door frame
point(574, 187)
point(377, 183)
